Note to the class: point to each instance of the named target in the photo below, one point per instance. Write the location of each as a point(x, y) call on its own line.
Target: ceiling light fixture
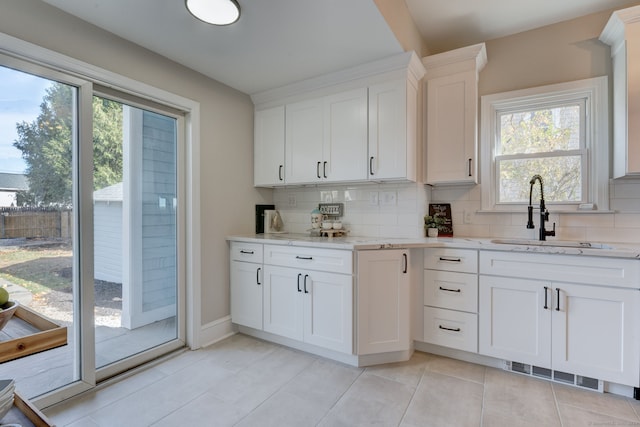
point(216, 12)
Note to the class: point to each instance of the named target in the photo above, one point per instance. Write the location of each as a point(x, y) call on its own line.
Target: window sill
point(551, 211)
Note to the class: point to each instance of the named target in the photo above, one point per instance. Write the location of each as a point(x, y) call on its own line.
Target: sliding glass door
point(91, 232)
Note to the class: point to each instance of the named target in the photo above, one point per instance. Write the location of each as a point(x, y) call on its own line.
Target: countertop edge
point(617, 250)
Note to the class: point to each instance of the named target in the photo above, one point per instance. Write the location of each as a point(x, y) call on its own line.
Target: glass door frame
point(13, 55)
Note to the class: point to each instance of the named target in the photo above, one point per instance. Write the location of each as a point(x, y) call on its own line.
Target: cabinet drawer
point(563, 268)
point(456, 291)
point(329, 260)
point(452, 329)
point(460, 260)
point(250, 252)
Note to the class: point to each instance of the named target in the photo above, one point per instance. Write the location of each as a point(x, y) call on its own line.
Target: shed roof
point(13, 181)
point(112, 193)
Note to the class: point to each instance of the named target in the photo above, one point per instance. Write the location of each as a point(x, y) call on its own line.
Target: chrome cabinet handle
point(449, 329)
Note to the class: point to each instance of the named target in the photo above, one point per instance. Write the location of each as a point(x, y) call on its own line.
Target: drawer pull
point(450, 259)
point(449, 329)
point(449, 290)
point(307, 258)
point(246, 252)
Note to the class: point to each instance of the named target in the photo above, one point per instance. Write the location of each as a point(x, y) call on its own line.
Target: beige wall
point(227, 193)
point(556, 53)
point(396, 13)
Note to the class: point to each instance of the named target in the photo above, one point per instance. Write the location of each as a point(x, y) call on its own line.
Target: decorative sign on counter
point(442, 210)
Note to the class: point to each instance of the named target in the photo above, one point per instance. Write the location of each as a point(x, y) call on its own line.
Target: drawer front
point(455, 291)
point(450, 328)
point(250, 252)
point(586, 270)
point(329, 260)
point(460, 260)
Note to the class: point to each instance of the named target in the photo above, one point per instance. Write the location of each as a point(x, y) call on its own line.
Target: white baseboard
point(215, 331)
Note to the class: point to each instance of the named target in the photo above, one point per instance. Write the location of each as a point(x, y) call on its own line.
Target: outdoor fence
point(35, 222)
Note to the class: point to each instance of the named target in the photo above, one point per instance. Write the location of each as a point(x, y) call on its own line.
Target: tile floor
point(243, 381)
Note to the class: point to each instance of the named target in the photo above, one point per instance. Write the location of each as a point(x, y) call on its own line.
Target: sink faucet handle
point(551, 232)
point(546, 215)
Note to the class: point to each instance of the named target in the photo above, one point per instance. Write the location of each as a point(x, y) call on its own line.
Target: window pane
point(38, 124)
point(562, 179)
point(135, 236)
point(539, 131)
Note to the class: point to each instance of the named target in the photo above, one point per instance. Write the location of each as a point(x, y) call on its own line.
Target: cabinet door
point(246, 294)
point(268, 155)
point(304, 134)
point(383, 301)
point(388, 132)
point(451, 129)
point(595, 332)
point(513, 321)
point(283, 295)
point(328, 310)
point(346, 136)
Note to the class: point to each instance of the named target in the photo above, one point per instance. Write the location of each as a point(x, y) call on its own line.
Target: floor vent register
point(557, 376)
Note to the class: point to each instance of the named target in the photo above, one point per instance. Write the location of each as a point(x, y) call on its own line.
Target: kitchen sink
point(553, 243)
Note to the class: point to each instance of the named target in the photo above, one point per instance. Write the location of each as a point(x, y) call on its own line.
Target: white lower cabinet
point(246, 284)
point(310, 306)
point(383, 301)
point(586, 330)
point(451, 298)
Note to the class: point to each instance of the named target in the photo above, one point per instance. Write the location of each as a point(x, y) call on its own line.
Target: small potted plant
point(432, 223)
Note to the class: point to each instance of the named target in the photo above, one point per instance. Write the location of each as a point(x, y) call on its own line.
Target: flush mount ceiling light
point(216, 12)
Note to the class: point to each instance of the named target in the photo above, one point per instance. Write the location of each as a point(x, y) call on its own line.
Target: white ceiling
point(277, 42)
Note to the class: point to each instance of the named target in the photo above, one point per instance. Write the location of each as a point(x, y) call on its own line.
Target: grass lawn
point(38, 269)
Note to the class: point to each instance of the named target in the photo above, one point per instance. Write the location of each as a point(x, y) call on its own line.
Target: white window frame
point(596, 159)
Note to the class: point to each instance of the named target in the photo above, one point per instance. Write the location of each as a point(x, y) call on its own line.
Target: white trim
point(597, 135)
point(216, 331)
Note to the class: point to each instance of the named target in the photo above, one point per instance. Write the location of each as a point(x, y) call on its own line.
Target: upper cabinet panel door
point(304, 141)
point(451, 129)
point(268, 164)
point(388, 131)
point(345, 145)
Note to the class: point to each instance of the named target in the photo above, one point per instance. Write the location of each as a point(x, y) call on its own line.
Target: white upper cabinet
point(269, 147)
point(622, 33)
point(327, 139)
point(304, 140)
point(452, 115)
point(354, 125)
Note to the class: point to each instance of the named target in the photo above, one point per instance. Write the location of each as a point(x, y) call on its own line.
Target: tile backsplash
point(397, 210)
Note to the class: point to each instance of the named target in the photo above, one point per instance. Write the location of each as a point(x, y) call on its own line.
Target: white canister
point(316, 218)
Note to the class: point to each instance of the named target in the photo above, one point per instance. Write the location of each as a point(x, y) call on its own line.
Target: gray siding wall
point(107, 229)
point(159, 238)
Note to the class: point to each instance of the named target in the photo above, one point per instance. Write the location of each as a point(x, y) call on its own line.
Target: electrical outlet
point(292, 200)
point(388, 198)
point(373, 198)
point(466, 217)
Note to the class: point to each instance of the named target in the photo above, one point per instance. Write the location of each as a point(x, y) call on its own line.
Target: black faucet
point(544, 213)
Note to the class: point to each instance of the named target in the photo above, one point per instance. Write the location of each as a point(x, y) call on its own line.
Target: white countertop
point(611, 250)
